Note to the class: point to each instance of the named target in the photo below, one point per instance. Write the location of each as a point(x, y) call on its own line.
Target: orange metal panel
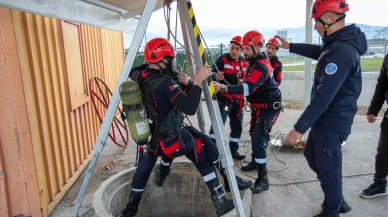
point(49, 96)
point(109, 52)
point(78, 119)
point(4, 205)
point(76, 174)
point(56, 143)
point(84, 138)
point(21, 33)
point(40, 89)
point(19, 177)
point(55, 106)
point(74, 64)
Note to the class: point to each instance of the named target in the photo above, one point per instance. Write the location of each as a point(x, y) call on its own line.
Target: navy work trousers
point(204, 160)
point(324, 156)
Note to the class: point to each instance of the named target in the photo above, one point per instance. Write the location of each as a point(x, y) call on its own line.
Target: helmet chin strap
point(326, 26)
point(160, 67)
point(254, 52)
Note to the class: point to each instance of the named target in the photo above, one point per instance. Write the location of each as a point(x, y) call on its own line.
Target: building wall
point(19, 193)
point(54, 119)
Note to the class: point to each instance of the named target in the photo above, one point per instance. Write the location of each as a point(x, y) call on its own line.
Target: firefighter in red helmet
point(333, 105)
point(271, 48)
point(265, 100)
point(229, 68)
point(165, 104)
point(323, 20)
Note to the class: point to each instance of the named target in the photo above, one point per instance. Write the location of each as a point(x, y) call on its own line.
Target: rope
point(211, 56)
point(167, 17)
point(174, 36)
point(316, 180)
point(167, 20)
point(176, 26)
point(278, 136)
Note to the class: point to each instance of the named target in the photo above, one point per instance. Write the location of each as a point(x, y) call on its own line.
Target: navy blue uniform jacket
point(167, 96)
point(337, 80)
point(259, 84)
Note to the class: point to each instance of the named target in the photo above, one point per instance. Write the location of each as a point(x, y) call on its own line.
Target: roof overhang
point(119, 15)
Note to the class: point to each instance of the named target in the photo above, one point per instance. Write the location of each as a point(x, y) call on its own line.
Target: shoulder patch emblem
point(331, 68)
point(173, 87)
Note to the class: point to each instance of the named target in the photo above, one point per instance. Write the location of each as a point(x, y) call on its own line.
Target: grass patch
point(296, 68)
point(370, 64)
point(291, 59)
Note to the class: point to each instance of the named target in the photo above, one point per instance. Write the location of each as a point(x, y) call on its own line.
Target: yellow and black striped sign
point(200, 47)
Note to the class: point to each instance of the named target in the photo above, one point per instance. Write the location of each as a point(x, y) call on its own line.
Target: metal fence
point(377, 38)
point(181, 58)
point(370, 61)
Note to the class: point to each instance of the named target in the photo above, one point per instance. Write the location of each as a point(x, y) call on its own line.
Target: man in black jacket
point(379, 186)
point(334, 94)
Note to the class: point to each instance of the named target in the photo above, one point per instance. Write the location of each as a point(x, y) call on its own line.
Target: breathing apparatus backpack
point(160, 130)
point(133, 108)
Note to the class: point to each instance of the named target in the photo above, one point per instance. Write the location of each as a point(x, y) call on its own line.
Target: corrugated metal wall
point(62, 138)
point(17, 165)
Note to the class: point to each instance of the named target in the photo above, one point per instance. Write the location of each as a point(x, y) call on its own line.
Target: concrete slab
point(293, 192)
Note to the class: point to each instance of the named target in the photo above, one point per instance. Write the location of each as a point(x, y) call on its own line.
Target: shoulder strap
point(133, 74)
point(147, 86)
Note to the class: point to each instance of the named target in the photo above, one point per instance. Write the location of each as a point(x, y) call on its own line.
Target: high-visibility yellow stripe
point(200, 47)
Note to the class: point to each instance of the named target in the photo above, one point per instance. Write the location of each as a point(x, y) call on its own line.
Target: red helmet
point(156, 49)
point(273, 41)
point(253, 37)
point(320, 7)
point(237, 39)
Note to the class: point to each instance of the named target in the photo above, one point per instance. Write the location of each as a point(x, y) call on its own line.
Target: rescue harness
point(161, 130)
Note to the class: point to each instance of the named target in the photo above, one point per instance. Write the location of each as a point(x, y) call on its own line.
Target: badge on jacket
point(331, 68)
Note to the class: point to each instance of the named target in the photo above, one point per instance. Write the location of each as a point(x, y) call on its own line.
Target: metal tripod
point(194, 43)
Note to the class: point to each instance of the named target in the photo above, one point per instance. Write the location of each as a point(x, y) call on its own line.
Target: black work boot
point(325, 214)
point(250, 166)
point(345, 208)
point(222, 205)
point(261, 183)
point(374, 190)
point(238, 156)
point(242, 184)
point(132, 206)
point(159, 178)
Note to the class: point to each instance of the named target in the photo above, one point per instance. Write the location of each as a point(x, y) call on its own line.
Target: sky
point(265, 14)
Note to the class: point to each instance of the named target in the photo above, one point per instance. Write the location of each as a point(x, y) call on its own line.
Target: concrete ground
point(294, 190)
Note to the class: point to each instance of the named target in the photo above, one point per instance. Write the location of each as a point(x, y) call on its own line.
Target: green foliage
point(139, 59)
